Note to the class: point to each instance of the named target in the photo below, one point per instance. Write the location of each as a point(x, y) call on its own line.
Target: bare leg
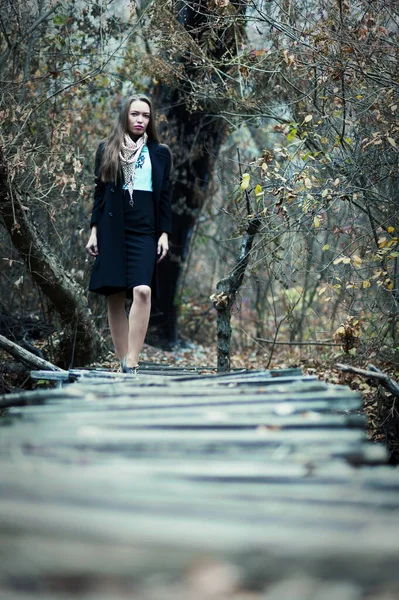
point(118, 323)
point(139, 317)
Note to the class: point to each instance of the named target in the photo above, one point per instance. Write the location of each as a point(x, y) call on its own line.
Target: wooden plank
point(262, 378)
point(343, 488)
point(218, 420)
point(187, 394)
point(92, 445)
point(262, 436)
point(87, 564)
point(254, 373)
point(335, 474)
point(221, 411)
point(187, 373)
point(181, 394)
point(190, 529)
point(130, 410)
point(169, 403)
point(145, 499)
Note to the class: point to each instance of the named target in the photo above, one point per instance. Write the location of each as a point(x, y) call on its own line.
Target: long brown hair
point(113, 143)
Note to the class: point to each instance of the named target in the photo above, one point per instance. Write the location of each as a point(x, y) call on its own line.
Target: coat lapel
point(156, 164)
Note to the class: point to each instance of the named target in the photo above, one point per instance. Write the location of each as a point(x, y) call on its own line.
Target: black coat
point(109, 271)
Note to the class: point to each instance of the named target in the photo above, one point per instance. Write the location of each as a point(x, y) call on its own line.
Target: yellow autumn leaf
point(326, 247)
point(264, 167)
point(258, 190)
point(356, 260)
point(338, 260)
point(321, 291)
point(324, 193)
point(346, 260)
point(316, 221)
point(336, 182)
point(308, 118)
point(382, 242)
point(307, 183)
point(391, 229)
point(392, 142)
point(366, 284)
point(245, 181)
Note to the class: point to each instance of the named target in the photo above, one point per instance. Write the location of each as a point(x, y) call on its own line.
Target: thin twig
point(322, 343)
point(42, 18)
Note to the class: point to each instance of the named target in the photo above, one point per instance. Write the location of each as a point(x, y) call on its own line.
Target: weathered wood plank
point(181, 394)
point(129, 408)
point(148, 500)
point(45, 560)
point(357, 492)
point(257, 379)
point(68, 432)
point(228, 414)
point(93, 446)
point(181, 375)
point(202, 475)
point(213, 531)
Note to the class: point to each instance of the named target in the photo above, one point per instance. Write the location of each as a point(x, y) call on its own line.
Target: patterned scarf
point(128, 155)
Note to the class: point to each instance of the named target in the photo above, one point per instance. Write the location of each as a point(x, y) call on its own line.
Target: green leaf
point(60, 19)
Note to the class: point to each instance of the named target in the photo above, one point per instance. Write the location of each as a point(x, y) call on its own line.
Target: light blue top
point(143, 172)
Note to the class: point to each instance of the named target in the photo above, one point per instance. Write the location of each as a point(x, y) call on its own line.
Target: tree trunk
point(224, 298)
point(195, 137)
point(192, 173)
point(81, 342)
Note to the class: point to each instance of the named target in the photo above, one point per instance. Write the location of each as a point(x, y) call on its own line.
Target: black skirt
point(140, 239)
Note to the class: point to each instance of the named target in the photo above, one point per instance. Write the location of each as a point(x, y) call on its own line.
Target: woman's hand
point(92, 247)
point(163, 246)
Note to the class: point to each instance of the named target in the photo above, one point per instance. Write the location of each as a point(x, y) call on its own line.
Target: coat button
point(110, 214)
point(112, 190)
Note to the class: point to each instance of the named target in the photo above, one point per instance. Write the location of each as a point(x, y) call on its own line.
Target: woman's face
point(138, 118)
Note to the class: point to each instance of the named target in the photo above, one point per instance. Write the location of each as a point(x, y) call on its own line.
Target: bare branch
point(373, 373)
point(42, 18)
point(24, 356)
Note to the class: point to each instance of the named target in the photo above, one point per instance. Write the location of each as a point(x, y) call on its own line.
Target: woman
point(130, 223)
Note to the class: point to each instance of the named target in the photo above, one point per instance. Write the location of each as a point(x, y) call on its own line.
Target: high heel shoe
point(129, 370)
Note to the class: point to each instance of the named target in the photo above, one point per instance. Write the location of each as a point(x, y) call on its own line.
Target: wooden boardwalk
point(247, 486)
